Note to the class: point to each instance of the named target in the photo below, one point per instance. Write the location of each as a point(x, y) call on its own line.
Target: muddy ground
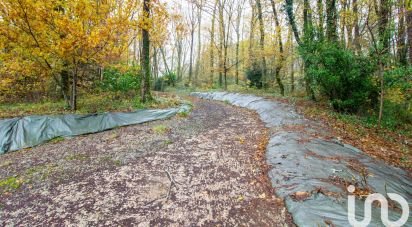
point(204, 169)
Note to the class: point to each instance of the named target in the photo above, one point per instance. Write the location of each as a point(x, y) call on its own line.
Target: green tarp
point(19, 133)
point(295, 170)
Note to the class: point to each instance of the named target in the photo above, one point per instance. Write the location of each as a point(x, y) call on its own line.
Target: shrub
point(170, 78)
point(341, 76)
point(159, 84)
point(254, 75)
point(398, 94)
point(167, 79)
point(116, 80)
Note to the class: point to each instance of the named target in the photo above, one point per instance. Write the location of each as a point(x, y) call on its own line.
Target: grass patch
point(41, 172)
point(10, 184)
point(57, 139)
point(183, 114)
point(160, 129)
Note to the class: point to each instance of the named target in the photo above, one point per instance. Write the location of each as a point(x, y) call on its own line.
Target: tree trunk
point(222, 45)
point(145, 57)
point(179, 59)
point(321, 22)
point(238, 19)
point(401, 42)
point(382, 95)
point(225, 68)
point(191, 56)
point(251, 37)
point(64, 74)
point(289, 10)
point(384, 10)
point(73, 104)
point(164, 60)
point(199, 42)
point(292, 77)
point(262, 43)
point(281, 60)
point(155, 64)
point(331, 21)
point(343, 19)
point(409, 22)
point(292, 68)
point(212, 46)
point(307, 22)
point(356, 26)
point(291, 18)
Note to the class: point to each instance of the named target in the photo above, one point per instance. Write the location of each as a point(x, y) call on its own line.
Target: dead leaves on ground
point(382, 144)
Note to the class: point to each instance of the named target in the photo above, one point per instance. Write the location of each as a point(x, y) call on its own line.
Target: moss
point(41, 172)
point(117, 162)
point(160, 129)
point(10, 183)
point(183, 114)
point(57, 140)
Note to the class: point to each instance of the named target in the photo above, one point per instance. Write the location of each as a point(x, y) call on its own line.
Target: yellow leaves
point(241, 140)
point(396, 95)
point(80, 29)
point(43, 37)
point(4, 83)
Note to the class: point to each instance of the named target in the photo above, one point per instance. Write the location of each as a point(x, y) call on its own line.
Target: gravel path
point(204, 169)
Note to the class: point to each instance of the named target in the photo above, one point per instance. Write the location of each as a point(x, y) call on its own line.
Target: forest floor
point(88, 103)
point(394, 146)
point(207, 168)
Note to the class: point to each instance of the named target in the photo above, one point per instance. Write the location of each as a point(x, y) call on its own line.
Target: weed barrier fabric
point(303, 163)
point(25, 132)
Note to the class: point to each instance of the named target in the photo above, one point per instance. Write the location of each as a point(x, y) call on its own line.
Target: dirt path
point(206, 169)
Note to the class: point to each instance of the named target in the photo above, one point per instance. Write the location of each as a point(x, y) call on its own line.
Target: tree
point(61, 38)
point(192, 38)
point(262, 42)
point(212, 44)
point(409, 22)
point(224, 35)
point(357, 36)
point(383, 10)
point(292, 21)
point(199, 5)
point(331, 21)
point(237, 29)
point(401, 42)
point(145, 55)
point(280, 43)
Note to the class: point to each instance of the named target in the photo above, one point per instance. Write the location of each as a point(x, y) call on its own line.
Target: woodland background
point(354, 56)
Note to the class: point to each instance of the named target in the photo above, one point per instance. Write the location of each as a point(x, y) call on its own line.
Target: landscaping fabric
point(312, 174)
point(25, 132)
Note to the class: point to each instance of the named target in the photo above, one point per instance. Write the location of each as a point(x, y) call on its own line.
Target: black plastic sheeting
point(295, 171)
point(25, 132)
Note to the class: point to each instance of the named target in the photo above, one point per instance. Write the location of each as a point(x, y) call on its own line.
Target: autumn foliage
point(56, 42)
